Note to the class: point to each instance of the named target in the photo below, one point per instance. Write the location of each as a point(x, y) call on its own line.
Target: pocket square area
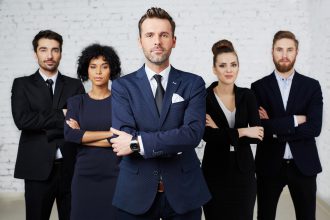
point(177, 98)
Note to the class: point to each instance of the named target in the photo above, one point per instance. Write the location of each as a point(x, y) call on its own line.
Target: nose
point(229, 69)
point(98, 71)
point(157, 40)
point(49, 55)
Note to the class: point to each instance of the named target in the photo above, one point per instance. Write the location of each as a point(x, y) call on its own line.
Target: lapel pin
point(174, 83)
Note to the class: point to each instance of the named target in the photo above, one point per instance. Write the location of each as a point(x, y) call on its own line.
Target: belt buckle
point(160, 187)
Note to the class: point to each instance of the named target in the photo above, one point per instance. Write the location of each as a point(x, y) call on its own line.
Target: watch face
point(135, 147)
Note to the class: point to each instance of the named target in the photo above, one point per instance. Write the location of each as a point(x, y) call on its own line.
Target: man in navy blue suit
point(290, 106)
point(159, 118)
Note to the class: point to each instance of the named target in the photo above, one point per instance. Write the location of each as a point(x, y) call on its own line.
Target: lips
point(98, 78)
point(229, 76)
point(157, 50)
point(50, 62)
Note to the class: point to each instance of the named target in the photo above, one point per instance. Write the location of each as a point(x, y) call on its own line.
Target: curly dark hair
point(94, 51)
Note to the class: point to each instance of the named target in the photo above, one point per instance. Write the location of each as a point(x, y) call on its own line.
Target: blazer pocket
point(179, 105)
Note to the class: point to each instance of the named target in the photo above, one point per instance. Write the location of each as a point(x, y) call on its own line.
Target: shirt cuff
point(141, 145)
point(295, 121)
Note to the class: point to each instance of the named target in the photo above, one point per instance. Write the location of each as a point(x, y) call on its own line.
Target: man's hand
point(301, 119)
point(121, 144)
point(263, 113)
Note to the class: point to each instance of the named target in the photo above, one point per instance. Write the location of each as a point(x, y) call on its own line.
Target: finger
point(114, 141)
point(115, 131)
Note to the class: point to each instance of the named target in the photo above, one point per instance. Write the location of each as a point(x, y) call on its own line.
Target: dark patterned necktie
point(159, 93)
point(50, 83)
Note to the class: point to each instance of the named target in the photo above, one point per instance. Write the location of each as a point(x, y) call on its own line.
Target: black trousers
point(40, 195)
point(161, 209)
point(233, 193)
point(302, 190)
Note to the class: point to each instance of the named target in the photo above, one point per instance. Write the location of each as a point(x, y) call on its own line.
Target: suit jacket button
point(155, 173)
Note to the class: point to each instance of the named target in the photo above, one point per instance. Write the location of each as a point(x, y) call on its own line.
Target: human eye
point(278, 49)
point(222, 65)
point(148, 35)
point(165, 35)
point(105, 66)
point(234, 65)
point(42, 49)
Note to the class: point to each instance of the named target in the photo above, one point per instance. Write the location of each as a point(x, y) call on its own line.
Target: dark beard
point(284, 68)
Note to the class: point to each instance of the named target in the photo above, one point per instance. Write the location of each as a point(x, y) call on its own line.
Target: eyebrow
point(41, 48)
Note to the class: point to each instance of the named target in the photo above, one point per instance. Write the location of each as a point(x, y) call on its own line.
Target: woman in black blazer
point(232, 124)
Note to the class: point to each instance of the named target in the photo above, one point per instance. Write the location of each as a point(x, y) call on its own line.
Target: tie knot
point(158, 78)
point(49, 82)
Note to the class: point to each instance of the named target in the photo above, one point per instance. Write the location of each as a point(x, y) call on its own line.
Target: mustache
point(157, 48)
point(284, 60)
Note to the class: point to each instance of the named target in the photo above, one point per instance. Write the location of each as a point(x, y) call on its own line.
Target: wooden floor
point(12, 208)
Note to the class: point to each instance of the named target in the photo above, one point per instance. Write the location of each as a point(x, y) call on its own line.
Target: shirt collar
point(53, 77)
point(164, 73)
point(280, 78)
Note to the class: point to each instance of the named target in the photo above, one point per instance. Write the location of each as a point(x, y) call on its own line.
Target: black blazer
point(305, 99)
point(218, 141)
point(41, 122)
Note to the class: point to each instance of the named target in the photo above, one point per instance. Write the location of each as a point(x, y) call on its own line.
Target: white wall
point(250, 25)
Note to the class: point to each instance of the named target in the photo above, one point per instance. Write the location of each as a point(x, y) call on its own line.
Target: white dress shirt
point(230, 116)
point(285, 86)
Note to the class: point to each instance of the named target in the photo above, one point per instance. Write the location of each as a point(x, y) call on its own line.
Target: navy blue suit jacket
point(169, 142)
point(305, 98)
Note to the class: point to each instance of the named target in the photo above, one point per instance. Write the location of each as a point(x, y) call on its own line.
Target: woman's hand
point(210, 122)
point(252, 132)
point(72, 123)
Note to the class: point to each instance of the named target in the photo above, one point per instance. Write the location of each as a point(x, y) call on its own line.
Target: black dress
point(230, 174)
point(96, 168)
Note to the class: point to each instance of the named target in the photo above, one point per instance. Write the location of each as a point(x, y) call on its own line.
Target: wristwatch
point(134, 145)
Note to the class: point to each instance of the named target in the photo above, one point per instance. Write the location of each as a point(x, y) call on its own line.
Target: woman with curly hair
point(88, 122)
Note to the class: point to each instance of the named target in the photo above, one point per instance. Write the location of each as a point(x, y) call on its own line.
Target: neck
point(287, 74)
point(48, 73)
point(157, 68)
point(224, 89)
point(99, 92)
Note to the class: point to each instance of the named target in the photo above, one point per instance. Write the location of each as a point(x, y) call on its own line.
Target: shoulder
point(262, 81)
point(187, 75)
point(70, 80)
point(245, 93)
point(75, 100)
point(307, 80)
point(23, 80)
point(125, 79)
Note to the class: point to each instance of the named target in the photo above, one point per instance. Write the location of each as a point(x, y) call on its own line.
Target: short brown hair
point(157, 13)
point(285, 34)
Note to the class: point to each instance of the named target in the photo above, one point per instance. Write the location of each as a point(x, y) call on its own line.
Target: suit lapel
point(58, 90)
point(276, 91)
point(41, 84)
point(172, 85)
point(145, 88)
point(293, 92)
